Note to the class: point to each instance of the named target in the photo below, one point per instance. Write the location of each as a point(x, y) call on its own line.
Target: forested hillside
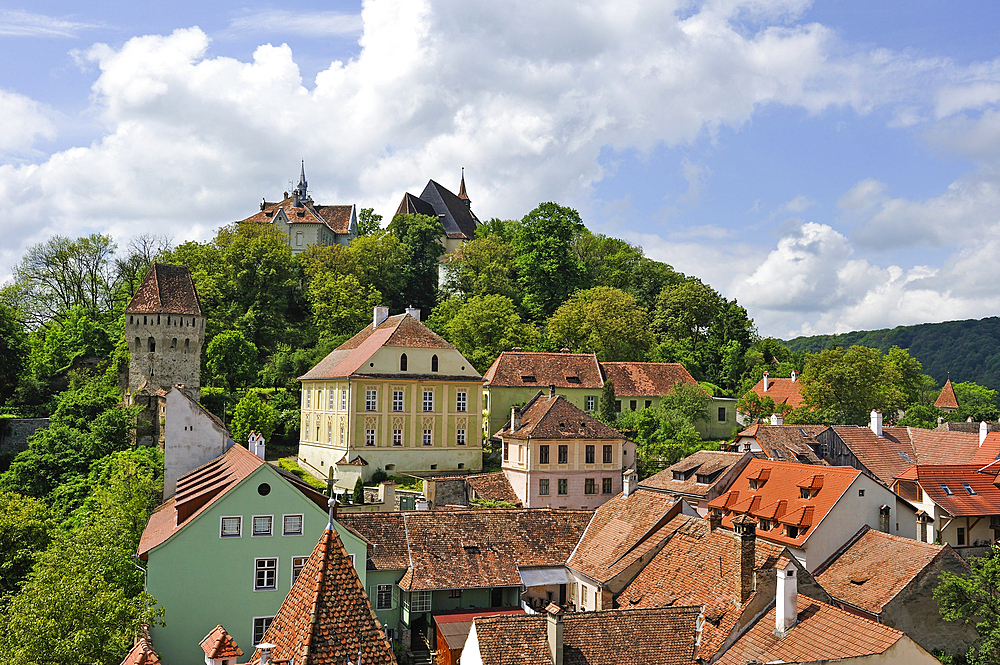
point(969, 350)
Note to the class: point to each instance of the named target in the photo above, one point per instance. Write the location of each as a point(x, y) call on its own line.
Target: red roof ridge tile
point(220, 644)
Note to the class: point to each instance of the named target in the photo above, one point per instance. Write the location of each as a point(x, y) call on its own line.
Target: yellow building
point(397, 397)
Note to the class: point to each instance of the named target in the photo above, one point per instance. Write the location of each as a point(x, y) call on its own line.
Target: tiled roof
point(957, 499)
point(708, 465)
point(989, 452)
point(141, 653)
point(465, 549)
point(645, 379)
point(401, 330)
point(789, 443)
point(386, 532)
point(823, 633)
point(622, 531)
point(220, 644)
point(540, 370)
point(492, 487)
point(874, 567)
point(778, 498)
point(660, 636)
point(947, 399)
point(166, 289)
point(326, 618)
point(336, 218)
point(782, 391)
point(697, 567)
point(901, 447)
point(455, 214)
point(545, 417)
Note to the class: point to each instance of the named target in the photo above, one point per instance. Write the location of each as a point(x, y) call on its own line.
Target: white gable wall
point(191, 438)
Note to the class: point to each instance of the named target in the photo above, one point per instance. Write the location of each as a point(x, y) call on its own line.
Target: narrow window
point(383, 596)
point(309, 395)
point(543, 454)
point(563, 454)
point(298, 563)
point(649, 403)
point(608, 454)
point(371, 400)
point(722, 414)
point(173, 343)
point(427, 437)
point(961, 535)
point(631, 405)
point(605, 485)
point(563, 486)
point(506, 451)
point(168, 319)
point(151, 345)
point(589, 452)
point(590, 402)
point(543, 487)
point(397, 400)
point(402, 363)
point(138, 344)
point(343, 399)
point(260, 626)
point(369, 437)
point(343, 436)
point(428, 400)
point(618, 406)
point(330, 405)
point(187, 345)
point(460, 437)
point(434, 363)
point(589, 486)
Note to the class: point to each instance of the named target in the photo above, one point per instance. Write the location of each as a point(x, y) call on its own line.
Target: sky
point(832, 165)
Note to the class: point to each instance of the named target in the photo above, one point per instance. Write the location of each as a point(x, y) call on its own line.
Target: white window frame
point(397, 404)
point(222, 520)
point(428, 401)
point(543, 483)
point(397, 437)
point(253, 526)
point(591, 402)
point(274, 574)
point(369, 438)
point(460, 437)
point(284, 523)
point(309, 394)
point(379, 590)
point(298, 563)
point(253, 629)
point(420, 601)
point(462, 401)
point(333, 394)
point(428, 437)
point(343, 399)
point(343, 436)
point(371, 399)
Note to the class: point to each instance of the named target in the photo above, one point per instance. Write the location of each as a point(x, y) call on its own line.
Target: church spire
point(462, 194)
point(301, 189)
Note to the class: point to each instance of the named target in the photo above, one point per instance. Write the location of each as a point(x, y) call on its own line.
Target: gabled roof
point(874, 567)
point(327, 618)
point(455, 214)
point(947, 399)
point(660, 636)
point(679, 575)
point(386, 531)
point(778, 497)
point(220, 644)
point(823, 633)
point(623, 530)
point(517, 369)
point(787, 443)
point(141, 653)
point(492, 487)
point(901, 447)
point(545, 417)
point(782, 391)
point(945, 485)
point(336, 218)
point(166, 289)
point(645, 379)
point(704, 465)
point(989, 452)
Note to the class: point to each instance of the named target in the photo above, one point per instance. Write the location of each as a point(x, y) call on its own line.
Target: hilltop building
point(454, 211)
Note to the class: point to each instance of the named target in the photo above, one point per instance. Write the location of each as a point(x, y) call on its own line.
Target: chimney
point(776, 419)
point(940, 421)
point(255, 442)
point(745, 528)
point(515, 419)
point(265, 652)
point(876, 423)
point(380, 315)
point(984, 429)
point(554, 623)
point(767, 382)
point(714, 518)
point(552, 391)
point(786, 610)
point(629, 480)
point(564, 350)
point(414, 312)
point(795, 376)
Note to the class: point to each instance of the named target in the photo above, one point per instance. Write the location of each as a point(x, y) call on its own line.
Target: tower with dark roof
point(454, 211)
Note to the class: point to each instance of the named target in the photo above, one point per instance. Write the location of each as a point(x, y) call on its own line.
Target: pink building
point(555, 455)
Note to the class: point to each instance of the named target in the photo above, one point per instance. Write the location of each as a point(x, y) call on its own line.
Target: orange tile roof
point(633, 379)
point(901, 447)
point(220, 644)
point(336, 218)
point(789, 443)
point(141, 653)
point(947, 399)
point(545, 417)
point(532, 369)
point(779, 498)
point(874, 567)
point(703, 465)
point(989, 452)
point(622, 531)
point(492, 487)
point(823, 633)
point(782, 391)
point(166, 289)
point(984, 498)
point(327, 618)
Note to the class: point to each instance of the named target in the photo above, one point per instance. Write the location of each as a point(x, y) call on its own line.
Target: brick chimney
point(714, 518)
point(554, 625)
point(552, 390)
point(515, 419)
point(767, 382)
point(786, 599)
point(745, 528)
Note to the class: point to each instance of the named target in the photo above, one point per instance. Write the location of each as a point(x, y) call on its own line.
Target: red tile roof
point(782, 391)
point(623, 530)
point(141, 653)
point(492, 487)
point(947, 399)
point(633, 379)
point(326, 618)
point(220, 644)
point(874, 567)
point(788, 443)
point(901, 447)
point(386, 531)
point(166, 289)
point(989, 452)
point(779, 497)
point(984, 498)
point(702, 466)
point(539, 370)
point(823, 633)
point(545, 417)
point(660, 636)
point(454, 625)
point(336, 218)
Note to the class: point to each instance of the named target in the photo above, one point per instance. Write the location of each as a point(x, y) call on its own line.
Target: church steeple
point(301, 195)
point(462, 194)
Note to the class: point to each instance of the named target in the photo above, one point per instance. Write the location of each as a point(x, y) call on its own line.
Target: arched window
point(152, 345)
point(138, 344)
point(173, 343)
point(434, 363)
point(402, 363)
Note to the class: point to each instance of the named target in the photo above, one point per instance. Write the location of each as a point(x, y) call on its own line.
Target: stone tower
point(165, 328)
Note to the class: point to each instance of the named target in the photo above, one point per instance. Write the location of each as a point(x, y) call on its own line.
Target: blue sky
point(832, 165)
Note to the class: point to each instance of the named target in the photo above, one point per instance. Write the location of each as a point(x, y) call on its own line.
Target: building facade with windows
point(397, 397)
point(227, 548)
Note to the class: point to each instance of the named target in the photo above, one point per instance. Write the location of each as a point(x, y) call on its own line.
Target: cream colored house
point(397, 397)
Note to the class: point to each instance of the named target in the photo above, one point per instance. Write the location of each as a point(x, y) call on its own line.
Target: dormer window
point(528, 378)
point(402, 363)
point(946, 490)
point(754, 483)
point(791, 531)
point(765, 525)
point(805, 492)
point(678, 475)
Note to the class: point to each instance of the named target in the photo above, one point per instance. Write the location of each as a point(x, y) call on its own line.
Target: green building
point(226, 549)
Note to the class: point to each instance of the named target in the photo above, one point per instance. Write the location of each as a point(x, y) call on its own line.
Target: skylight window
point(968, 488)
point(946, 489)
point(905, 456)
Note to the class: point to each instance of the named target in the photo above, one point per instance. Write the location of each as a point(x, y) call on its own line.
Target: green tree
point(686, 311)
point(910, 379)
point(754, 407)
point(231, 359)
point(487, 325)
point(252, 414)
point(689, 400)
point(381, 263)
point(975, 401)
point(13, 352)
point(421, 236)
point(484, 266)
point(845, 386)
point(923, 416)
point(662, 435)
point(54, 347)
point(607, 261)
point(25, 530)
point(606, 411)
point(369, 222)
point(359, 492)
point(547, 269)
point(341, 305)
point(601, 320)
point(973, 601)
point(503, 230)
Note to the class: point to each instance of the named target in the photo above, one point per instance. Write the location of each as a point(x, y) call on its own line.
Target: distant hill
point(969, 350)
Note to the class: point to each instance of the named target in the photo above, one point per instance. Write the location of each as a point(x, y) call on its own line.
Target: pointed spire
point(462, 194)
point(301, 195)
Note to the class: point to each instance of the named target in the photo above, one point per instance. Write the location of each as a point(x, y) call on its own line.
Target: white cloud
point(19, 23)
point(800, 203)
point(308, 24)
point(696, 175)
point(24, 120)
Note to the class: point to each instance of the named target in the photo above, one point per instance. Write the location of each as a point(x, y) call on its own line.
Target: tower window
point(434, 363)
point(402, 363)
point(173, 343)
point(151, 344)
point(138, 344)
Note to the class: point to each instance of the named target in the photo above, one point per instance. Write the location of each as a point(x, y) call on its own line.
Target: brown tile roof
point(782, 391)
point(947, 399)
point(545, 417)
point(166, 289)
point(465, 549)
point(386, 532)
point(823, 633)
point(957, 499)
point(623, 530)
point(401, 330)
point(660, 636)
point(874, 567)
point(789, 443)
point(701, 471)
point(220, 644)
point(901, 447)
point(684, 573)
point(141, 653)
point(326, 618)
point(531, 369)
point(336, 218)
point(645, 379)
point(778, 498)
point(492, 487)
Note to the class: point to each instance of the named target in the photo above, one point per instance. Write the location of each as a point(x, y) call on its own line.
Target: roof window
point(946, 489)
point(528, 378)
point(572, 379)
point(968, 488)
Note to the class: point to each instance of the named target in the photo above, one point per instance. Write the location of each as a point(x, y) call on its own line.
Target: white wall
point(191, 438)
point(470, 653)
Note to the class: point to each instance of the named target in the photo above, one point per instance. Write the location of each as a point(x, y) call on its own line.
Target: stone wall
point(14, 433)
point(165, 350)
